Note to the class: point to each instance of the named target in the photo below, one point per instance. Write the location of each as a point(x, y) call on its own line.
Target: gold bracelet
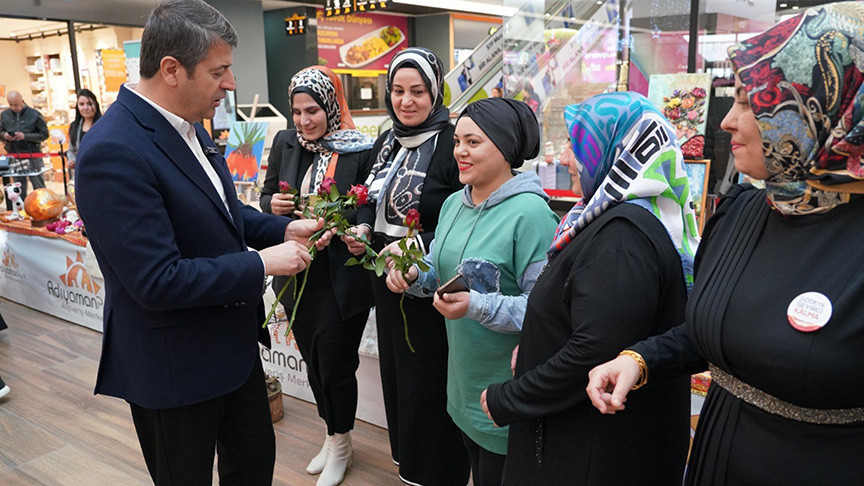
point(643, 368)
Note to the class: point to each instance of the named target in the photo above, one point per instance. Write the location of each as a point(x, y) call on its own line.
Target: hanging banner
point(112, 64)
point(463, 76)
point(132, 49)
point(360, 41)
point(545, 76)
point(49, 275)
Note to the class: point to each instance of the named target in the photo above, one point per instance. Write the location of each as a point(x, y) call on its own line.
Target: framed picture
point(245, 150)
point(697, 175)
point(683, 100)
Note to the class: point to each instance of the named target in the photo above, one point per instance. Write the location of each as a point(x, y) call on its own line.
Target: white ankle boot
point(338, 461)
point(316, 465)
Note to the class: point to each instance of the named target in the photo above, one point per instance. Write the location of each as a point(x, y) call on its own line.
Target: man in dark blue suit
point(183, 293)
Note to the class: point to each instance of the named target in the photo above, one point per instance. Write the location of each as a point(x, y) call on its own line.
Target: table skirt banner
point(283, 360)
point(49, 275)
point(26, 228)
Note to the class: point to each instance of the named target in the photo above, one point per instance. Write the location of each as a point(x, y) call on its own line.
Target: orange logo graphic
point(9, 259)
point(76, 275)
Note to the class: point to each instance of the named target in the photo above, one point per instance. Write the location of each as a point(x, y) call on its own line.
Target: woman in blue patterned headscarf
point(617, 273)
point(776, 310)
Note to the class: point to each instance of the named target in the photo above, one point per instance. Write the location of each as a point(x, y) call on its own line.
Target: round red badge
point(809, 311)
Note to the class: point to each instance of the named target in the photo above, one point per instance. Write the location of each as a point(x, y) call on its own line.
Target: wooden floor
point(54, 431)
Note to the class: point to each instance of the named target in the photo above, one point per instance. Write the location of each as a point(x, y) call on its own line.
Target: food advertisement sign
point(360, 41)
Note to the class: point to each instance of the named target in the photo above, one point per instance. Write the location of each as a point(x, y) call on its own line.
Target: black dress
point(336, 300)
point(752, 263)
point(424, 441)
point(617, 282)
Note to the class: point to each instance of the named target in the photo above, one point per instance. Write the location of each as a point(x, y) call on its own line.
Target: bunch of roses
point(685, 109)
point(332, 207)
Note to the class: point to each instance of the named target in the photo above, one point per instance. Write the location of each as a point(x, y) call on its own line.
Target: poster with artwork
point(245, 150)
point(683, 100)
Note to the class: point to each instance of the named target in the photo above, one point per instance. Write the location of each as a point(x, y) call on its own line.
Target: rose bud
point(362, 193)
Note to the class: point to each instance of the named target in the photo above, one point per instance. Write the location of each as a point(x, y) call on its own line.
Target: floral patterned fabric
point(804, 81)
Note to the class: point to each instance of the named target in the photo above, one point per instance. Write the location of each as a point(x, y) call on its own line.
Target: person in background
point(414, 169)
point(87, 111)
point(23, 130)
point(618, 271)
point(336, 301)
point(497, 232)
point(496, 92)
point(776, 310)
point(183, 308)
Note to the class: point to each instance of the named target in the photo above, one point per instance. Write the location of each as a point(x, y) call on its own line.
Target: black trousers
point(423, 438)
point(487, 468)
point(329, 346)
point(179, 443)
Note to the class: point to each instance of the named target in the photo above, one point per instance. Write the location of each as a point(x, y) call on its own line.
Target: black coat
point(617, 282)
point(350, 284)
point(442, 180)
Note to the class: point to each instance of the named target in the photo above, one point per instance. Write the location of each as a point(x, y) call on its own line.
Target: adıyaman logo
point(76, 277)
point(10, 266)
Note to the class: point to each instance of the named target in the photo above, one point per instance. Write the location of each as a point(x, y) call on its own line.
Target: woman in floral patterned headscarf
point(776, 309)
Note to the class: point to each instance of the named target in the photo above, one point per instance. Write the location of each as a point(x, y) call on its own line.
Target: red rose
point(326, 184)
point(284, 187)
point(412, 220)
point(362, 193)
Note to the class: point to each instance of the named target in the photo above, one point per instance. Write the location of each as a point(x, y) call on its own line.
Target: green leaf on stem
point(380, 262)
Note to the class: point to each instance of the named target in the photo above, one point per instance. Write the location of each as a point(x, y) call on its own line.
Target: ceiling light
point(795, 7)
point(783, 5)
point(464, 6)
point(599, 2)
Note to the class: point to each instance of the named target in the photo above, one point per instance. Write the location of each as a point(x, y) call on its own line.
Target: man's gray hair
point(184, 30)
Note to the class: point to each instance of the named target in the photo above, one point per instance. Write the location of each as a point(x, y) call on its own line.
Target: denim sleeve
point(427, 282)
point(504, 313)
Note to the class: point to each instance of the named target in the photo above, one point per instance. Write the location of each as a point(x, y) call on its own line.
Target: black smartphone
point(455, 284)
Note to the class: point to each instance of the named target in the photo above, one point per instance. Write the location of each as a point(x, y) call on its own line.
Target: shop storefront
point(38, 63)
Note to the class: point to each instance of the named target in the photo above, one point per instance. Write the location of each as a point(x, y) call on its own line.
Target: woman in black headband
point(497, 232)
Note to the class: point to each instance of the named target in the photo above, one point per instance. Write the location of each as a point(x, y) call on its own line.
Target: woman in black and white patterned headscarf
point(335, 306)
point(414, 168)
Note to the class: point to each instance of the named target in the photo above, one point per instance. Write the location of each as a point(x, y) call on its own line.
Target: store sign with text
point(360, 41)
point(335, 8)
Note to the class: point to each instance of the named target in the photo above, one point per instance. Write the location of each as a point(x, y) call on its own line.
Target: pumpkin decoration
point(44, 206)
